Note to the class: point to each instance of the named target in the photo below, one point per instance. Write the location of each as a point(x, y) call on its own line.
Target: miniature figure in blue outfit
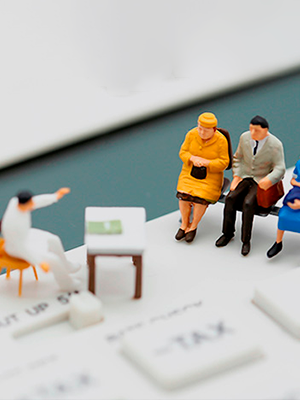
point(289, 214)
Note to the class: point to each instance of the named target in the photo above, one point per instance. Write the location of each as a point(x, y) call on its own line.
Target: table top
point(130, 241)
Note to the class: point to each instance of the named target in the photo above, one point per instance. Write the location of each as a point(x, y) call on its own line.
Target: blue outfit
point(289, 219)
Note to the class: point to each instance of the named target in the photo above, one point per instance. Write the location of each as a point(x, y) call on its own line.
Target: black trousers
point(243, 198)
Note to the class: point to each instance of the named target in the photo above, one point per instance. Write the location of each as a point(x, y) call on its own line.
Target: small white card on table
point(193, 347)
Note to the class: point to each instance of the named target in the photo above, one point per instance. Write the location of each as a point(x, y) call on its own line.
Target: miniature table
point(130, 242)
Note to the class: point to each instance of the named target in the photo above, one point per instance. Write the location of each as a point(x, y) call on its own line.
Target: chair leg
point(20, 282)
point(35, 274)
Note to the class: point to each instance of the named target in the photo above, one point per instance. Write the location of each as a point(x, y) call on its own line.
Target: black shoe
point(275, 249)
point(190, 236)
point(246, 249)
point(180, 234)
point(223, 240)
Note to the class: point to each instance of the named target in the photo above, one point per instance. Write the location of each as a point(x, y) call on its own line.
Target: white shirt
point(260, 144)
point(16, 226)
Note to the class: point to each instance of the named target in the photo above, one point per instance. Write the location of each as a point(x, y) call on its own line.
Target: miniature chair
point(227, 135)
point(261, 212)
point(226, 181)
point(11, 263)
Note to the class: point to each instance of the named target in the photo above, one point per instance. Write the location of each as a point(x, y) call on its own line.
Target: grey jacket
point(268, 162)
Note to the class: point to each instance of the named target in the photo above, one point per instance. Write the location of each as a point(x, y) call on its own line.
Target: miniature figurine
point(259, 160)
point(289, 214)
point(36, 246)
point(204, 153)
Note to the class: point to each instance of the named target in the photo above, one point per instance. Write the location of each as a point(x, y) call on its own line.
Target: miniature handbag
point(269, 197)
point(199, 172)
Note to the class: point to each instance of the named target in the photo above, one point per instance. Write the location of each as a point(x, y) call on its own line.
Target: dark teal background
point(139, 165)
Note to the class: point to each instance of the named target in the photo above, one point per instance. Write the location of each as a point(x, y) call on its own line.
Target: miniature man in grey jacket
point(258, 161)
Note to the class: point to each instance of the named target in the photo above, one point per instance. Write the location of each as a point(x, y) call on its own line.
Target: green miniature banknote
point(104, 227)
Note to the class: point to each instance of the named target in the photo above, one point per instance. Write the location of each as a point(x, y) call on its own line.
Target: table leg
point(138, 262)
point(91, 265)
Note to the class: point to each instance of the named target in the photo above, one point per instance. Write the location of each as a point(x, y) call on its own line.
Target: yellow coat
point(216, 150)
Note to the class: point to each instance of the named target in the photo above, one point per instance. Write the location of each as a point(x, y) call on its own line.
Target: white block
point(192, 347)
point(85, 310)
point(280, 298)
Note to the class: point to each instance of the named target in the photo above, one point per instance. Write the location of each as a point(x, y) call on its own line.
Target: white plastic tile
point(193, 347)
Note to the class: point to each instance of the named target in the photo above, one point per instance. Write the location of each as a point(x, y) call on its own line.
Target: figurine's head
point(259, 128)
point(207, 125)
point(25, 201)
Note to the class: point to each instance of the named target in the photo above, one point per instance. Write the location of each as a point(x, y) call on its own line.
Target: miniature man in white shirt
point(36, 246)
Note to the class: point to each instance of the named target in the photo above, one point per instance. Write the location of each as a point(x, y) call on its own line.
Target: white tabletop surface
point(77, 68)
point(178, 277)
point(131, 240)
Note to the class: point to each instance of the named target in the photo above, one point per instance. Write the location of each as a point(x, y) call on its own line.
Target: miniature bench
point(263, 212)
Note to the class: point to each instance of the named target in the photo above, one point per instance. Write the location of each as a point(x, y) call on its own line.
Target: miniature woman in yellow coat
point(204, 146)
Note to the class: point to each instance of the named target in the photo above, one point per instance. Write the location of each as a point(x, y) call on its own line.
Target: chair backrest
point(226, 134)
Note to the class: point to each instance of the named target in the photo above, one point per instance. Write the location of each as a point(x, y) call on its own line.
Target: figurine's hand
point(204, 162)
point(196, 161)
point(236, 180)
point(265, 183)
point(199, 161)
point(62, 192)
point(294, 182)
point(295, 205)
